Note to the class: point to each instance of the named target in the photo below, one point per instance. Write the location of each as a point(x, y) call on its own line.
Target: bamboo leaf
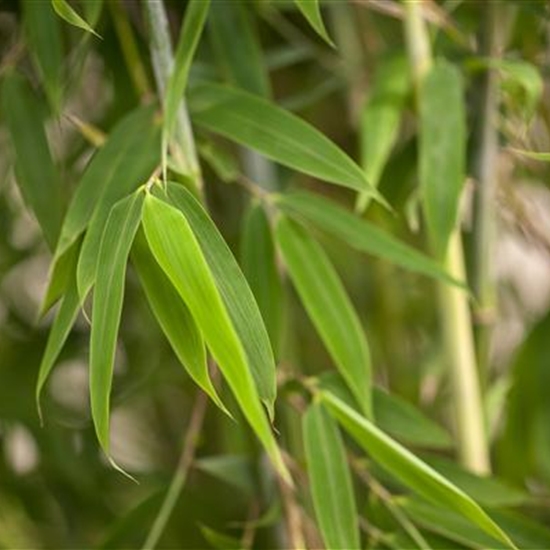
point(60, 329)
point(260, 270)
point(43, 33)
point(64, 10)
point(193, 23)
point(359, 234)
point(330, 480)
point(179, 254)
point(329, 307)
point(409, 469)
point(279, 135)
point(236, 294)
point(442, 151)
point(124, 165)
point(174, 318)
point(35, 171)
point(380, 119)
point(311, 10)
point(230, 19)
point(118, 235)
point(543, 156)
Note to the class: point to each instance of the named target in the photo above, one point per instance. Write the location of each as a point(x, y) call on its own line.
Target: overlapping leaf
point(330, 480)
point(329, 307)
point(179, 254)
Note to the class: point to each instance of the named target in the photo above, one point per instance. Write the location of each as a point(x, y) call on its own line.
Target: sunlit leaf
point(174, 318)
point(118, 235)
point(66, 12)
point(35, 171)
point(235, 292)
point(330, 480)
point(312, 12)
point(442, 151)
point(409, 469)
point(178, 252)
point(259, 267)
point(329, 308)
point(358, 233)
point(279, 135)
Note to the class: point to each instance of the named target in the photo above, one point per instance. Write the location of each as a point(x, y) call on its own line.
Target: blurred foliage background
point(56, 489)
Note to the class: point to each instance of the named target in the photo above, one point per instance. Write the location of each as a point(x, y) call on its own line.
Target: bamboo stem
point(454, 308)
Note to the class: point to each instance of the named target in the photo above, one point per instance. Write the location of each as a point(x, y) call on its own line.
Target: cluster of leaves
point(140, 201)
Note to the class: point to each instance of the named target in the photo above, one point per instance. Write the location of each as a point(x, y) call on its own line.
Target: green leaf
point(193, 23)
point(118, 235)
point(60, 329)
point(43, 33)
point(220, 540)
point(330, 480)
point(535, 155)
point(409, 469)
point(127, 166)
point(64, 10)
point(260, 270)
point(240, 60)
point(236, 470)
point(174, 318)
point(442, 151)
point(359, 234)
point(380, 119)
point(35, 171)
point(235, 292)
point(329, 307)
point(279, 135)
point(179, 254)
point(312, 12)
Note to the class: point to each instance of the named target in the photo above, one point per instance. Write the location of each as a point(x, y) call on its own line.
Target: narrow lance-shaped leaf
point(130, 169)
point(193, 23)
point(274, 132)
point(116, 242)
point(259, 267)
point(330, 480)
point(43, 34)
point(236, 294)
point(409, 469)
point(312, 12)
point(329, 307)
point(35, 171)
point(177, 251)
point(442, 151)
point(66, 12)
point(59, 331)
point(359, 234)
point(226, 21)
point(380, 119)
point(174, 318)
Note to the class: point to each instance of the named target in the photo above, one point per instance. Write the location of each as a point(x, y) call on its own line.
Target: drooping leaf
point(118, 235)
point(259, 267)
point(226, 21)
point(442, 151)
point(380, 119)
point(179, 254)
point(124, 166)
point(235, 292)
point(59, 331)
point(330, 480)
point(193, 23)
point(35, 171)
point(359, 234)
point(409, 469)
point(279, 135)
point(312, 12)
point(67, 13)
point(329, 308)
point(174, 318)
point(43, 33)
